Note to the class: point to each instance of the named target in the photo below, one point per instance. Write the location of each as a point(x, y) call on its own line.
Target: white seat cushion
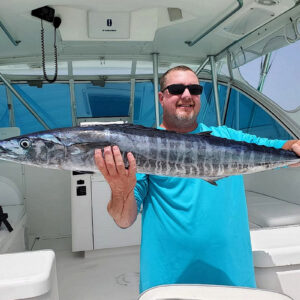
point(267, 211)
point(273, 247)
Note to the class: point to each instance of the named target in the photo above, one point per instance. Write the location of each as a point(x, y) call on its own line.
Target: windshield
point(281, 84)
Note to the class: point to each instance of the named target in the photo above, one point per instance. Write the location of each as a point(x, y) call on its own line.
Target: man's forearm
point(122, 208)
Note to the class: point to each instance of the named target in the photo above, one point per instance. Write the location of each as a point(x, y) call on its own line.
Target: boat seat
point(273, 197)
point(267, 211)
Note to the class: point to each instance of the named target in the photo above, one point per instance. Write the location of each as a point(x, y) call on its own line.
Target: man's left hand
point(293, 145)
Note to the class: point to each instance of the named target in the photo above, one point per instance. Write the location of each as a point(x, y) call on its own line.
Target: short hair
point(177, 68)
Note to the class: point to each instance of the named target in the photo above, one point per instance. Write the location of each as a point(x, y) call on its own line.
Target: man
point(192, 231)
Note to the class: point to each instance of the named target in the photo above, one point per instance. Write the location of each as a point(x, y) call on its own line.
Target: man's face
point(184, 107)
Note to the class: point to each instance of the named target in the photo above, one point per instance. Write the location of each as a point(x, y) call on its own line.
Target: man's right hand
point(122, 206)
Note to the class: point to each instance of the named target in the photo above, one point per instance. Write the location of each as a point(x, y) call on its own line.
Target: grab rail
point(196, 40)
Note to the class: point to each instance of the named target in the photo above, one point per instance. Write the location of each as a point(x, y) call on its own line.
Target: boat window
point(244, 114)
point(208, 107)
point(281, 84)
point(111, 100)
point(144, 106)
point(51, 103)
point(4, 114)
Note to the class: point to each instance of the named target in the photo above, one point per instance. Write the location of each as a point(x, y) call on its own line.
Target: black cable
point(43, 55)
point(3, 218)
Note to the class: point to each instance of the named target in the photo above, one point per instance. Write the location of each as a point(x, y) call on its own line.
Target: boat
point(71, 63)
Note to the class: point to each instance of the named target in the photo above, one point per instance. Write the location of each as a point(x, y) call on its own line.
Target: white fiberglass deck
point(113, 274)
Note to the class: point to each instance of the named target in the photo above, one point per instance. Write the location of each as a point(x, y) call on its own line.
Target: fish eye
point(25, 143)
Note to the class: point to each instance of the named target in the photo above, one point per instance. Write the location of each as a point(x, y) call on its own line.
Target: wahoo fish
point(158, 152)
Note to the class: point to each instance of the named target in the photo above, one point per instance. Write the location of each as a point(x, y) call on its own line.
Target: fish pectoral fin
point(213, 180)
point(204, 133)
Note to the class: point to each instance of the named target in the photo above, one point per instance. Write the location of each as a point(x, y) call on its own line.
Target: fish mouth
point(6, 152)
point(2, 149)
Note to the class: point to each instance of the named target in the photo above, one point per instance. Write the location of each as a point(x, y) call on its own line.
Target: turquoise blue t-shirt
point(195, 232)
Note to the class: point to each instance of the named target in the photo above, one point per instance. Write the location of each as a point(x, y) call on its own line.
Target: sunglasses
point(177, 89)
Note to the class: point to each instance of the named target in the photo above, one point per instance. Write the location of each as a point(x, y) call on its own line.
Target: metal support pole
point(228, 92)
point(132, 95)
point(215, 86)
point(155, 82)
point(264, 71)
point(202, 66)
point(12, 121)
point(19, 97)
point(132, 91)
point(16, 43)
point(72, 94)
point(229, 65)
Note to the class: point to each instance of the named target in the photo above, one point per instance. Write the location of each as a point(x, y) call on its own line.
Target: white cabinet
point(82, 223)
point(92, 226)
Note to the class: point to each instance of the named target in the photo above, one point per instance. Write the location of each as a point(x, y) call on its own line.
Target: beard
point(186, 117)
point(180, 119)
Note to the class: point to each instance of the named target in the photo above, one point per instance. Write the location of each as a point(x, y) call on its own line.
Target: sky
point(283, 81)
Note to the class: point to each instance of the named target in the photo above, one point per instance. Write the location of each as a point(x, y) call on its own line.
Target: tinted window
point(243, 114)
point(208, 107)
point(51, 102)
point(282, 82)
point(112, 100)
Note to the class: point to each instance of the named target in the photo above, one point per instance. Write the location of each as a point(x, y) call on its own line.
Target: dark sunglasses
point(177, 89)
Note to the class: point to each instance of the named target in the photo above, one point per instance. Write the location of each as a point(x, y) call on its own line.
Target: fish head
point(31, 149)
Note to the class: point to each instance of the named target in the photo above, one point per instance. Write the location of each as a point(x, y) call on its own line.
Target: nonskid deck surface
point(111, 274)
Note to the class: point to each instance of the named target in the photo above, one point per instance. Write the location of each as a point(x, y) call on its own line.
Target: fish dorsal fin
point(204, 133)
point(130, 126)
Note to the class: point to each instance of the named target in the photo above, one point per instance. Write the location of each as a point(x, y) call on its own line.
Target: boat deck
point(104, 274)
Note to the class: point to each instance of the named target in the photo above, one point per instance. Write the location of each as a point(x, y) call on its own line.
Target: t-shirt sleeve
point(141, 190)
point(239, 135)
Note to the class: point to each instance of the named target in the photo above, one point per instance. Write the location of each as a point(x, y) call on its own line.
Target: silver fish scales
point(158, 152)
